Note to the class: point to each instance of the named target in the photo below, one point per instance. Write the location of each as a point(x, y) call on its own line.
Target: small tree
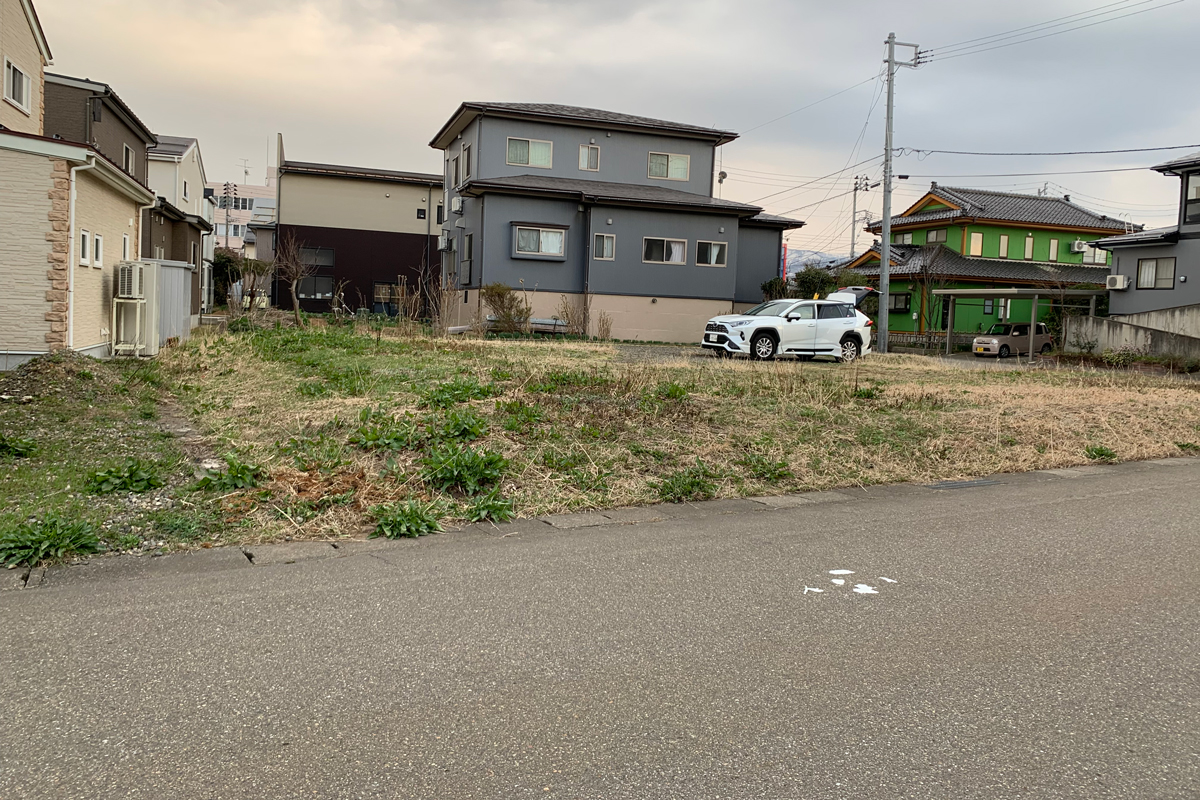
point(291, 268)
point(227, 270)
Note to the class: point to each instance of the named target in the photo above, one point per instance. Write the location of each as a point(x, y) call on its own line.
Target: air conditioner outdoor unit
point(131, 284)
point(456, 205)
point(443, 243)
point(1117, 283)
point(1079, 246)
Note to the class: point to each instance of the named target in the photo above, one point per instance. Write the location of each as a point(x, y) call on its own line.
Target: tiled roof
point(171, 145)
point(1183, 162)
point(1007, 207)
point(603, 191)
point(946, 263)
point(578, 114)
point(309, 168)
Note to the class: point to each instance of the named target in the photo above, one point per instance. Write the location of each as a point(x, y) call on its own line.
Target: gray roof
point(1182, 162)
point(96, 87)
point(578, 114)
point(171, 145)
point(947, 263)
point(337, 170)
point(1165, 235)
point(773, 221)
point(603, 191)
point(1006, 207)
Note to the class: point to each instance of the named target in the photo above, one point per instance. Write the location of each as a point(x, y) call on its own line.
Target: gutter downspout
point(91, 164)
point(587, 264)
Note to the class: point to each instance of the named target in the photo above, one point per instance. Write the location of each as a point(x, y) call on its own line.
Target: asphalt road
point(1040, 641)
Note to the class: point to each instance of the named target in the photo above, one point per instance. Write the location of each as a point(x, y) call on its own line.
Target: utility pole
point(861, 184)
point(229, 196)
point(885, 260)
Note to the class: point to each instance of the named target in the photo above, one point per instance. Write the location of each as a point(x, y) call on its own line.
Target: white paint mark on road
point(838, 582)
point(841, 572)
point(889, 580)
point(862, 588)
point(808, 589)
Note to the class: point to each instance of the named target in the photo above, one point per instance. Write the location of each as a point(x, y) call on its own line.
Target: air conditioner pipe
point(91, 164)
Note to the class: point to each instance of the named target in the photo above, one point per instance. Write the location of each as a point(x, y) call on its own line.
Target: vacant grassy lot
point(330, 432)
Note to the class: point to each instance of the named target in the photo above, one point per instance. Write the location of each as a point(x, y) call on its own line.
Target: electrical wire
point(823, 177)
point(810, 105)
point(918, 150)
point(1034, 174)
point(958, 45)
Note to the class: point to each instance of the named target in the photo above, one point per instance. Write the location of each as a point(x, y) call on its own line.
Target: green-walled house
point(956, 238)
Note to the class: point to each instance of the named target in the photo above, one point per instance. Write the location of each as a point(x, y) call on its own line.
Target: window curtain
point(518, 151)
point(658, 165)
point(676, 253)
point(527, 240)
point(678, 168)
point(1146, 273)
point(539, 154)
point(552, 243)
point(719, 254)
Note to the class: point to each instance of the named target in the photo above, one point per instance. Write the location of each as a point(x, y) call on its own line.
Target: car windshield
point(772, 308)
point(999, 330)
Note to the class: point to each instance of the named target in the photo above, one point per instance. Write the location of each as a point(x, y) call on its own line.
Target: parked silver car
point(1012, 338)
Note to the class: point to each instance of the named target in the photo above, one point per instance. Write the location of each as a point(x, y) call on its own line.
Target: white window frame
point(127, 157)
point(1029, 247)
point(455, 172)
point(665, 240)
point(26, 88)
point(975, 247)
point(937, 236)
point(607, 236)
point(668, 177)
point(1054, 249)
point(1003, 252)
point(465, 164)
point(540, 252)
point(587, 159)
point(1095, 255)
point(725, 251)
point(185, 191)
point(124, 246)
point(85, 247)
point(98, 251)
point(530, 149)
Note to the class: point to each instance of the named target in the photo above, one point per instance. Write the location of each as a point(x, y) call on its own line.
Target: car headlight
point(994, 342)
point(741, 324)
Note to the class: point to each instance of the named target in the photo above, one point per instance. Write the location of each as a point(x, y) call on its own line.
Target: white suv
point(801, 328)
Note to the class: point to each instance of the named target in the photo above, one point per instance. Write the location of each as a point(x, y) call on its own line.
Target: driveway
point(1032, 636)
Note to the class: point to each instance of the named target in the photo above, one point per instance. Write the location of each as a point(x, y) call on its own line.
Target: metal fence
point(930, 340)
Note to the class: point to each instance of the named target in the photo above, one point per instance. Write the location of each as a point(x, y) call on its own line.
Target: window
point(159, 253)
point(1003, 246)
point(833, 311)
point(589, 157)
point(976, 244)
point(466, 162)
point(902, 238)
point(185, 190)
point(468, 247)
point(455, 177)
point(441, 217)
point(386, 292)
point(1156, 273)
point(605, 247)
point(420, 213)
point(318, 287)
point(125, 247)
point(899, 303)
point(540, 241)
point(936, 236)
point(530, 153)
point(85, 247)
point(1095, 255)
point(989, 307)
point(17, 87)
point(317, 256)
point(1191, 207)
point(98, 251)
point(669, 166)
point(805, 311)
point(711, 254)
point(1003, 307)
point(127, 163)
point(1054, 249)
point(194, 259)
point(1029, 246)
point(664, 251)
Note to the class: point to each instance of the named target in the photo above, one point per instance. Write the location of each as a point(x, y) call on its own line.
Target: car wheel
point(1046, 348)
point(1004, 351)
point(763, 346)
point(850, 350)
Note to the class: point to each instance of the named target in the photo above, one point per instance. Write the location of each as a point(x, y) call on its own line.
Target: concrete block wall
point(1110, 334)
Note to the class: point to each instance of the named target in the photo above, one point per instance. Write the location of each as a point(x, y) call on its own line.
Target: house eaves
point(362, 173)
point(1179, 165)
point(111, 98)
point(947, 264)
point(39, 35)
point(179, 215)
point(78, 154)
point(604, 193)
point(573, 115)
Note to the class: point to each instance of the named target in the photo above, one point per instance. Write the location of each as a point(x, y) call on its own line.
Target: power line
point(1034, 174)
point(971, 52)
point(918, 150)
point(810, 105)
point(823, 177)
point(958, 45)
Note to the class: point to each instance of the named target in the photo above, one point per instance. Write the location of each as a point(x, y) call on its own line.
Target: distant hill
point(799, 259)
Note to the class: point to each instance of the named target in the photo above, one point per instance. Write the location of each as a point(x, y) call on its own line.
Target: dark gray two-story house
point(612, 211)
point(1157, 272)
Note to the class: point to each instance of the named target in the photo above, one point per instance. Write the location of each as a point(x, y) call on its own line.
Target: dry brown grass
point(609, 431)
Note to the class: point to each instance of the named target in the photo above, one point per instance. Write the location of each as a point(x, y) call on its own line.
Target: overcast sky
point(368, 82)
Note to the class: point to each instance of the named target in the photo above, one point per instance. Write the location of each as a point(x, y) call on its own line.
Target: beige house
point(68, 215)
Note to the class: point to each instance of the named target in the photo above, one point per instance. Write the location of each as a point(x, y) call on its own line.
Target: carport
point(1001, 294)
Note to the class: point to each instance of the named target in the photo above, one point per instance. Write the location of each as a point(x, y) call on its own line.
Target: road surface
point(1039, 641)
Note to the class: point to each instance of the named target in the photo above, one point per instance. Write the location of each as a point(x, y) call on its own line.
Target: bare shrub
point(573, 313)
point(604, 326)
point(511, 309)
point(443, 294)
point(292, 269)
